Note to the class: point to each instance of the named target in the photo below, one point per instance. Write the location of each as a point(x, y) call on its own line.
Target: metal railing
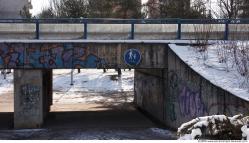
point(132, 22)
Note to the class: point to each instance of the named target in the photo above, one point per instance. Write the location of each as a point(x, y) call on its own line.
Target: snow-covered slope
point(213, 70)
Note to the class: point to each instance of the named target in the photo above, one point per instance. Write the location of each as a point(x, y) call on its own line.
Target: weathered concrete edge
point(230, 92)
point(209, 99)
point(108, 41)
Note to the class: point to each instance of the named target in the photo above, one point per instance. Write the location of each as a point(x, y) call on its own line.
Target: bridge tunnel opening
point(95, 98)
point(94, 94)
point(79, 101)
point(6, 98)
point(92, 89)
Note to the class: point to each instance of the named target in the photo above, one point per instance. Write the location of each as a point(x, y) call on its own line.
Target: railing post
point(179, 31)
point(226, 34)
point(37, 29)
point(132, 30)
point(85, 29)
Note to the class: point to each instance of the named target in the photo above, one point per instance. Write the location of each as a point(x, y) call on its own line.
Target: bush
point(215, 127)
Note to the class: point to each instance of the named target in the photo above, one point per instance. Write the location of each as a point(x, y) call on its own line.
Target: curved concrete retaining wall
point(177, 94)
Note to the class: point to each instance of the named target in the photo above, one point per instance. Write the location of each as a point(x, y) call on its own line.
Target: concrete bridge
point(165, 87)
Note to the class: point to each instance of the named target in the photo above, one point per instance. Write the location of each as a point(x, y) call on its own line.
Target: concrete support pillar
point(48, 91)
point(32, 97)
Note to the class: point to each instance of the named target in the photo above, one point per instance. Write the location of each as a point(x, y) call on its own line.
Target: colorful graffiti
point(11, 56)
point(37, 55)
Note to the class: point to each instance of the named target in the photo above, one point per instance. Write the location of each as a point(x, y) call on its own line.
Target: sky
point(38, 5)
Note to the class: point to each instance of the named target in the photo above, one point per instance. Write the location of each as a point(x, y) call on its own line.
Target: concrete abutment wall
point(177, 94)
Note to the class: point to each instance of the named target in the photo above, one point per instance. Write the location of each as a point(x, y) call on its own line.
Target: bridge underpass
point(112, 116)
point(34, 85)
point(165, 87)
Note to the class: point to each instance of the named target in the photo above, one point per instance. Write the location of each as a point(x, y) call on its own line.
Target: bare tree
point(25, 13)
point(127, 9)
point(93, 9)
point(244, 8)
point(65, 9)
point(47, 13)
point(176, 9)
point(229, 8)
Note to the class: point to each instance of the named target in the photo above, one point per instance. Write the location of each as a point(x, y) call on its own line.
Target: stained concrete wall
point(177, 94)
point(123, 31)
point(78, 55)
point(32, 97)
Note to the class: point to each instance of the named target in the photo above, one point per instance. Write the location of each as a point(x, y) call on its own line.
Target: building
point(12, 8)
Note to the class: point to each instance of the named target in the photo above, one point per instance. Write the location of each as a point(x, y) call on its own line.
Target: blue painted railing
point(132, 22)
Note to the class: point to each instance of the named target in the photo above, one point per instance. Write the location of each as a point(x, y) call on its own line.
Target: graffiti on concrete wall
point(185, 101)
point(184, 97)
point(29, 99)
point(171, 99)
point(190, 103)
point(30, 93)
point(63, 55)
point(84, 58)
point(48, 56)
point(11, 55)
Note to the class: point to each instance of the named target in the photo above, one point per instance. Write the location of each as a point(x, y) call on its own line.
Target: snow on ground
point(88, 83)
point(6, 85)
point(213, 70)
point(90, 86)
point(245, 132)
point(91, 80)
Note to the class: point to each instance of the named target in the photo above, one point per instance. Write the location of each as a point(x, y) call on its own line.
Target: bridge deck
point(104, 41)
point(112, 29)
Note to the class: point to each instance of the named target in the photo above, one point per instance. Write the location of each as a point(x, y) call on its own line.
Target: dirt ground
point(86, 115)
point(7, 102)
point(102, 119)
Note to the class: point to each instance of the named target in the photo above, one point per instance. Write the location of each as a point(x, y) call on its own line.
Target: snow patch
point(215, 126)
point(245, 132)
point(186, 137)
point(196, 133)
point(6, 85)
point(90, 80)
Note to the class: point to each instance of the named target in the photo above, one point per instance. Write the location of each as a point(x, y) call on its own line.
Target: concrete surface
point(122, 31)
point(178, 94)
point(78, 55)
point(28, 98)
point(32, 89)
